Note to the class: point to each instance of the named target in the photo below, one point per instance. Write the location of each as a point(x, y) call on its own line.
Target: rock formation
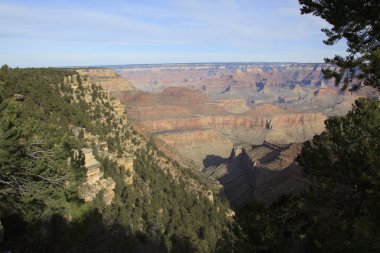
point(107, 78)
point(261, 172)
point(202, 111)
point(198, 127)
point(95, 181)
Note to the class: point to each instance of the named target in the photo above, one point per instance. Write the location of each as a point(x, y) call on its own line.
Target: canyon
point(205, 109)
point(261, 172)
point(204, 112)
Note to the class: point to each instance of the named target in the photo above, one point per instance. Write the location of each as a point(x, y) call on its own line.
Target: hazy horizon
point(182, 63)
point(81, 33)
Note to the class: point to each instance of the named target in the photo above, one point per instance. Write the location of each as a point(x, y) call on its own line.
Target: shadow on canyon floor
point(244, 179)
point(213, 160)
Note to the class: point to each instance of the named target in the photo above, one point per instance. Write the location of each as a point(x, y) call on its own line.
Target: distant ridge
point(131, 65)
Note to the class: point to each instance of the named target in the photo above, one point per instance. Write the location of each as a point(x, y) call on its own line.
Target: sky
point(56, 33)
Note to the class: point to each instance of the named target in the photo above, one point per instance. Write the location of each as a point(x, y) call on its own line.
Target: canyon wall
point(107, 78)
point(262, 172)
point(159, 77)
point(197, 126)
point(270, 122)
point(203, 111)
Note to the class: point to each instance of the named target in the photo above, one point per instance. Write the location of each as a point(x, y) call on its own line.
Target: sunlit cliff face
point(204, 109)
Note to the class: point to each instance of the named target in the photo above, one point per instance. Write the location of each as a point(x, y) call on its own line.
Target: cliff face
point(198, 128)
point(196, 144)
point(103, 107)
point(107, 78)
point(202, 112)
point(233, 121)
point(138, 163)
point(261, 172)
point(96, 182)
point(183, 118)
point(191, 137)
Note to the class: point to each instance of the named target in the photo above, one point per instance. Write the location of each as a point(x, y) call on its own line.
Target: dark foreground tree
point(340, 212)
point(344, 163)
point(358, 22)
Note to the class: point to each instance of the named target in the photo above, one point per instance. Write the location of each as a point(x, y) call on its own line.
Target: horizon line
point(187, 63)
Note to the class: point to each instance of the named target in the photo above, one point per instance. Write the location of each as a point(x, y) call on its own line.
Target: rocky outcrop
point(92, 165)
point(107, 78)
point(95, 183)
point(18, 97)
point(197, 143)
point(261, 172)
point(108, 111)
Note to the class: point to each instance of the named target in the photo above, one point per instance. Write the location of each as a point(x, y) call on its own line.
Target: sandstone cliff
point(107, 78)
point(108, 111)
point(231, 121)
point(198, 127)
point(95, 181)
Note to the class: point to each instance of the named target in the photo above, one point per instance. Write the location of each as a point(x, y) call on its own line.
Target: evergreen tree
point(339, 213)
point(42, 166)
point(358, 22)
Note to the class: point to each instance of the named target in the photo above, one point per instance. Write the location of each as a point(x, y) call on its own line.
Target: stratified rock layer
point(204, 110)
point(107, 78)
point(198, 127)
point(95, 181)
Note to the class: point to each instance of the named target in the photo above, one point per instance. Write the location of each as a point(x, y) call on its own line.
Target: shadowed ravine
point(261, 172)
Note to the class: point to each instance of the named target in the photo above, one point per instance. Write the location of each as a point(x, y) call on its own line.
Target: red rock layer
point(232, 121)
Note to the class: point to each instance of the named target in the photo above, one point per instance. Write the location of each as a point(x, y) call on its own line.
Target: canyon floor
point(208, 111)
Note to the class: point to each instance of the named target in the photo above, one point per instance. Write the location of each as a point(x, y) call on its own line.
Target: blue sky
point(95, 32)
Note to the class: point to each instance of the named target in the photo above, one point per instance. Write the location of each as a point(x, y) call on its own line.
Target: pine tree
point(358, 22)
